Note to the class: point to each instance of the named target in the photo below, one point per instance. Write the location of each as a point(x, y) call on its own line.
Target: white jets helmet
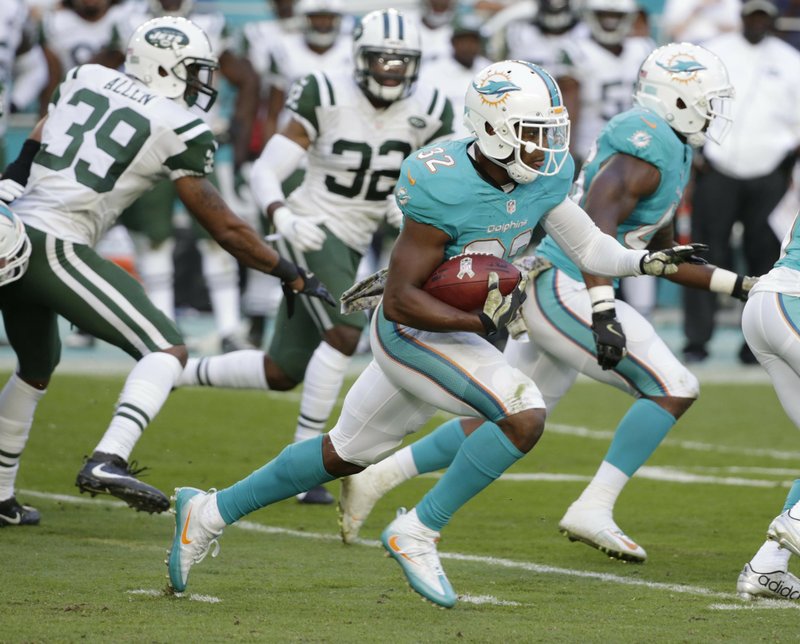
point(15, 247)
point(610, 21)
point(313, 35)
point(173, 57)
point(688, 86)
point(386, 51)
point(171, 7)
point(513, 105)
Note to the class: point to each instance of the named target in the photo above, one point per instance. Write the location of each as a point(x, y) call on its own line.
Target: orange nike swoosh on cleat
point(649, 124)
point(411, 180)
point(393, 545)
point(184, 539)
point(630, 544)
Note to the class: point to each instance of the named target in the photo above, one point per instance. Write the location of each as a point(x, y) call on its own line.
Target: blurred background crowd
point(742, 199)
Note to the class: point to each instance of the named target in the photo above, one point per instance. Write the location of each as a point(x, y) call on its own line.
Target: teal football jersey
point(439, 186)
point(790, 253)
point(644, 135)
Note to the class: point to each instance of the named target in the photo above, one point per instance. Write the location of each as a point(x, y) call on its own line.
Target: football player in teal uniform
point(482, 194)
point(630, 185)
point(771, 326)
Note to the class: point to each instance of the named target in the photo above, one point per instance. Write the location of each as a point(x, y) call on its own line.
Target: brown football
point(463, 281)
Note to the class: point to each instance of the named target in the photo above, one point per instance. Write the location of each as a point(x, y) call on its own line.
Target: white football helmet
point(312, 34)
point(171, 7)
point(15, 247)
point(688, 86)
point(610, 21)
point(173, 57)
point(386, 51)
point(516, 99)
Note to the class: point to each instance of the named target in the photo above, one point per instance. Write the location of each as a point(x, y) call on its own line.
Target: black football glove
point(499, 309)
point(311, 287)
point(742, 287)
point(665, 262)
point(609, 338)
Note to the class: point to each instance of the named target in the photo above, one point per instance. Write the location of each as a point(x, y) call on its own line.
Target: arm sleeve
point(586, 245)
point(281, 157)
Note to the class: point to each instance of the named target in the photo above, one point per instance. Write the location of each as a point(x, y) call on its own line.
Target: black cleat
point(316, 496)
point(111, 474)
point(12, 513)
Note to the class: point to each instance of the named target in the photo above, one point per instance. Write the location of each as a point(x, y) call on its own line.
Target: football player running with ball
point(108, 137)
point(480, 194)
point(630, 185)
point(353, 130)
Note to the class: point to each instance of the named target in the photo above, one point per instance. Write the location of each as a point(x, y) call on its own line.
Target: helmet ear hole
point(162, 72)
point(680, 104)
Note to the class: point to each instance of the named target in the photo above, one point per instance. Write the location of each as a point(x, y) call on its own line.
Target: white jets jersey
point(259, 42)
point(107, 140)
point(606, 82)
point(75, 41)
point(435, 42)
point(12, 22)
point(452, 78)
point(525, 41)
point(356, 151)
point(294, 60)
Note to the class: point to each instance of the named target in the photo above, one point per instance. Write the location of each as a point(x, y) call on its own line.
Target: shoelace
point(213, 541)
point(134, 469)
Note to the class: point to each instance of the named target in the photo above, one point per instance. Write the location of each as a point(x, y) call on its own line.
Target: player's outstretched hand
point(10, 190)
point(665, 262)
point(609, 339)
point(311, 287)
point(499, 309)
point(301, 232)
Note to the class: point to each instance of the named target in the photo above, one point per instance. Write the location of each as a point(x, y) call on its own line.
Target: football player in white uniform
point(539, 39)
point(353, 131)
point(108, 137)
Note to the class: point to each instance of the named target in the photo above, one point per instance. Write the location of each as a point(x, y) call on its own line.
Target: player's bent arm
point(234, 234)
point(419, 249)
point(614, 194)
point(589, 247)
point(281, 156)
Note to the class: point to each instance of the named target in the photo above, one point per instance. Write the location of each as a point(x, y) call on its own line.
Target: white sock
point(770, 557)
point(236, 370)
point(145, 391)
point(18, 402)
point(157, 271)
point(605, 487)
point(211, 515)
point(323, 381)
point(222, 280)
point(395, 469)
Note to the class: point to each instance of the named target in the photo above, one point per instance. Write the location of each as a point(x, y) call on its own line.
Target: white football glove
point(302, 233)
point(394, 216)
point(10, 190)
point(665, 262)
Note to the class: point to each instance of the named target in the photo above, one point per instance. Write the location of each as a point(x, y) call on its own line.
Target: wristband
point(602, 297)
point(723, 281)
point(20, 169)
point(285, 271)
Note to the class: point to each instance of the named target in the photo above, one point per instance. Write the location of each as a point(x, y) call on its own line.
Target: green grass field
point(93, 570)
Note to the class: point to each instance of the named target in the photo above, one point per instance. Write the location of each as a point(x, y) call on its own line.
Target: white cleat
point(785, 529)
point(192, 539)
point(772, 585)
point(356, 500)
point(596, 528)
point(413, 546)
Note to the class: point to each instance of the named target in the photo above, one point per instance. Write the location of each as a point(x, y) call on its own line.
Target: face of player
point(171, 6)
point(323, 23)
point(466, 48)
point(91, 9)
point(533, 140)
point(389, 69)
point(283, 8)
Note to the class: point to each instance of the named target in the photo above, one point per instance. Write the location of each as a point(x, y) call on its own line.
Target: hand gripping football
point(462, 281)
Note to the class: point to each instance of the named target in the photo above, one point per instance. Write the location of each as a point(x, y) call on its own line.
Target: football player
point(353, 130)
point(484, 194)
point(108, 137)
point(771, 323)
point(573, 320)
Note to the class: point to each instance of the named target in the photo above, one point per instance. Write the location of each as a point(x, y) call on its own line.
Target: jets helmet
point(386, 51)
point(173, 57)
point(514, 105)
point(15, 247)
point(555, 16)
point(688, 86)
point(314, 34)
point(610, 21)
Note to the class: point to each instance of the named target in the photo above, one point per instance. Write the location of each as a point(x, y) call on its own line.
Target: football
point(463, 281)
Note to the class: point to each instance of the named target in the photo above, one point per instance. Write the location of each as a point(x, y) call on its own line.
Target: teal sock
point(296, 469)
point(638, 434)
point(484, 455)
point(438, 449)
point(793, 497)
